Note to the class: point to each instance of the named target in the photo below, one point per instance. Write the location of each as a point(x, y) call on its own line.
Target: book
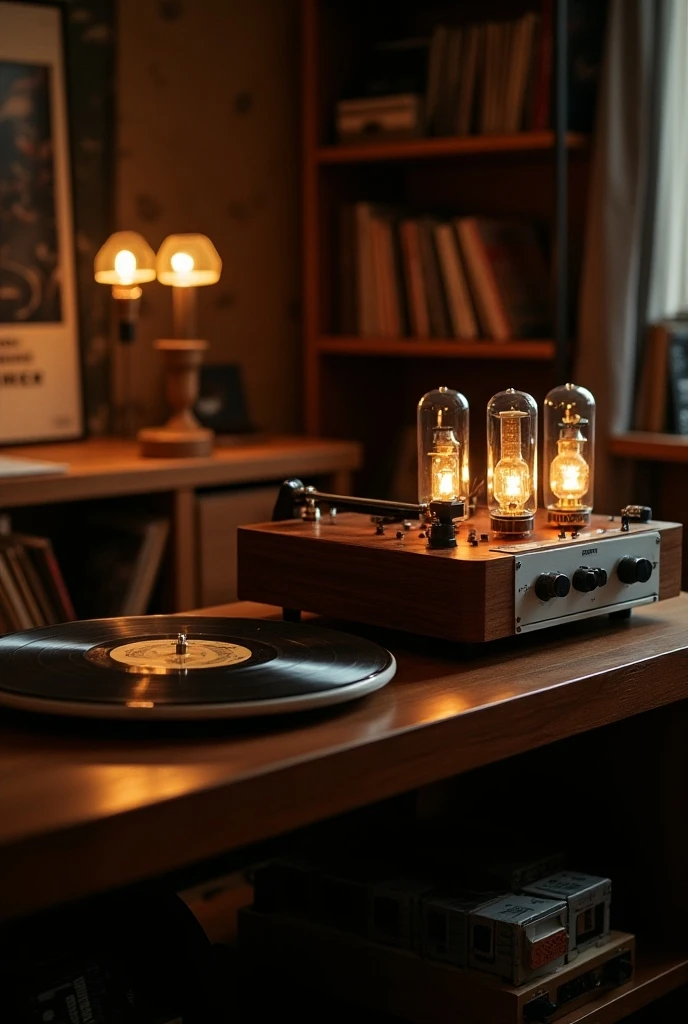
point(11, 597)
point(16, 560)
point(508, 273)
point(57, 598)
point(463, 321)
point(414, 282)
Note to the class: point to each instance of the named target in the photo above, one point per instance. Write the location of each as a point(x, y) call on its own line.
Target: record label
point(161, 655)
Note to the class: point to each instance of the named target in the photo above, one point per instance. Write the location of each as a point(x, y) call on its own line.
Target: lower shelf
point(656, 975)
point(397, 983)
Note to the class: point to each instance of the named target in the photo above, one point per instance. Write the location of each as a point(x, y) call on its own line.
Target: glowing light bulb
point(125, 266)
point(569, 473)
point(446, 463)
point(511, 484)
point(182, 262)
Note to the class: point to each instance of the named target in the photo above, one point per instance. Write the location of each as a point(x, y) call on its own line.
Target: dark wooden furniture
point(586, 725)
point(542, 175)
point(206, 497)
point(659, 471)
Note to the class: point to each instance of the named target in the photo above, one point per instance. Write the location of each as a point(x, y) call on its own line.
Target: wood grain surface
point(85, 807)
point(639, 444)
point(346, 570)
point(107, 467)
point(426, 149)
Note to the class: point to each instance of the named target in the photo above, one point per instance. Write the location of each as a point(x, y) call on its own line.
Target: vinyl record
point(164, 667)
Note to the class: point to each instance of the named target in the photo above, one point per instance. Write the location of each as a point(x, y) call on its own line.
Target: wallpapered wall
point(90, 59)
point(207, 140)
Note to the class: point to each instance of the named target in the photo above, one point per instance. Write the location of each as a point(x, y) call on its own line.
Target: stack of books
point(467, 278)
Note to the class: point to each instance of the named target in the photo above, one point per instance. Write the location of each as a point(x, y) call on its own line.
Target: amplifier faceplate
point(606, 558)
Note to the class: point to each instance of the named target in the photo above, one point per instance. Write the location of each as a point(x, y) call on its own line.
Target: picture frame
point(40, 360)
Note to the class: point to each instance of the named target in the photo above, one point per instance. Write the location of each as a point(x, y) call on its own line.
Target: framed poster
point(40, 364)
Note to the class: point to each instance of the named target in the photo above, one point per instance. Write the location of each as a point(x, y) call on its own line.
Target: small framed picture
point(40, 363)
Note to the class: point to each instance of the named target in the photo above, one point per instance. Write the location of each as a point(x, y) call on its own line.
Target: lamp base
point(164, 443)
point(182, 436)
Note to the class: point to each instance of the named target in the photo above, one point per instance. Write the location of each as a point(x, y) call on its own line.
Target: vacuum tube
point(569, 441)
point(512, 462)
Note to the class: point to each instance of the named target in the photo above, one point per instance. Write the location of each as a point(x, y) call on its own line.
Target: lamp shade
point(187, 261)
point(125, 259)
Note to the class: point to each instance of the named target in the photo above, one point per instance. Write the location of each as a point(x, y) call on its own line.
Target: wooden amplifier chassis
point(399, 982)
point(343, 569)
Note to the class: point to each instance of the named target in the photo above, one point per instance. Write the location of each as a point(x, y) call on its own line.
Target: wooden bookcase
point(368, 388)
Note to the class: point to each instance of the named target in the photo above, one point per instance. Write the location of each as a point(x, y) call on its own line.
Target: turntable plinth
point(475, 592)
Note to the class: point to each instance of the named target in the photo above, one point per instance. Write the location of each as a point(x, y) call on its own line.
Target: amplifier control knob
point(601, 577)
point(634, 570)
point(552, 584)
point(584, 580)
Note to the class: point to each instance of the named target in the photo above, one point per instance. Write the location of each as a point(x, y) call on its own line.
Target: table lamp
point(125, 261)
point(185, 262)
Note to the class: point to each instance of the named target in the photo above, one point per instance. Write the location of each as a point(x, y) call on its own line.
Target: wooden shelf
point(429, 149)
point(108, 467)
point(656, 975)
point(391, 981)
point(433, 347)
point(70, 794)
point(651, 447)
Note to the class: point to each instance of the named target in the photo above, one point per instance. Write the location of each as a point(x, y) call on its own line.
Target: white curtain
point(620, 227)
point(668, 277)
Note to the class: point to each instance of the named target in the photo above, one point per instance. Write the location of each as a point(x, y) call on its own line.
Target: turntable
point(441, 569)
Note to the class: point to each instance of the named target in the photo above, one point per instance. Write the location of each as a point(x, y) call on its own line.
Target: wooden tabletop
point(85, 807)
point(103, 467)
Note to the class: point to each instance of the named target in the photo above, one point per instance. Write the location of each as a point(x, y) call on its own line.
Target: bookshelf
point(540, 175)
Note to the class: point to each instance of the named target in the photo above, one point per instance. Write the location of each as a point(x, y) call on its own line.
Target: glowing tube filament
point(446, 463)
point(511, 486)
point(569, 472)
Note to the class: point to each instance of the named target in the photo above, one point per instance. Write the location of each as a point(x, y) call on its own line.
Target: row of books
point(109, 567)
point(487, 77)
point(32, 588)
point(662, 392)
point(491, 77)
point(468, 278)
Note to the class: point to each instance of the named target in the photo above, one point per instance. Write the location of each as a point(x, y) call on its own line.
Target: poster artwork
point(30, 289)
point(40, 372)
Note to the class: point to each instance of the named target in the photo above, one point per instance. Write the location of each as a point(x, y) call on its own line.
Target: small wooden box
point(474, 592)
